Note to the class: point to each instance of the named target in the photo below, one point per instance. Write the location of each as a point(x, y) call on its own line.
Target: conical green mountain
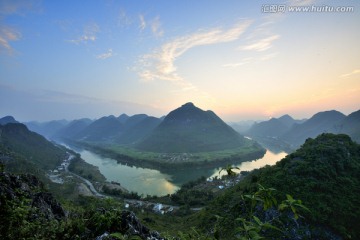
point(190, 129)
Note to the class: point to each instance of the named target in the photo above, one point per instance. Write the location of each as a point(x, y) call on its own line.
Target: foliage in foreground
point(323, 173)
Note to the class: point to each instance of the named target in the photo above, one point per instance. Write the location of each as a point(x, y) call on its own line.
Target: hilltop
point(39, 151)
point(191, 129)
point(288, 133)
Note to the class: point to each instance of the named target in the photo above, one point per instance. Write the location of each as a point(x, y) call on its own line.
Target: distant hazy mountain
point(242, 126)
point(72, 129)
point(35, 147)
point(350, 125)
point(275, 127)
point(321, 122)
point(103, 129)
point(7, 119)
point(288, 120)
point(123, 129)
point(134, 120)
point(190, 129)
point(123, 118)
point(47, 129)
point(271, 128)
point(137, 128)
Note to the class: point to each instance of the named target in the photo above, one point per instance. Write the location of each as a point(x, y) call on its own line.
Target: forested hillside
point(324, 173)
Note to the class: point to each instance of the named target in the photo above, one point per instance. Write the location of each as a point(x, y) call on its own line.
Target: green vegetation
point(187, 136)
point(189, 129)
point(265, 204)
point(229, 170)
point(86, 170)
point(120, 194)
point(35, 147)
point(124, 154)
point(32, 213)
point(323, 173)
point(188, 195)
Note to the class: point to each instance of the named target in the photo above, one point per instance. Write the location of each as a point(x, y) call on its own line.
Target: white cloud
point(8, 35)
point(268, 56)
point(156, 28)
point(262, 44)
point(123, 19)
point(238, 64)
point(106, 55)
point(161, 63)
point(10, 7)
point(142, 25)
point(346, 75)
point(89, 34)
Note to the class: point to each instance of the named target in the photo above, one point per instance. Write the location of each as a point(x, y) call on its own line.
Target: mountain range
point(294, 132)
point(185, 129)
point(201, 129)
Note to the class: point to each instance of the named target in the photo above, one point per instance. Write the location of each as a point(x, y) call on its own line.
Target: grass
point(126, 154)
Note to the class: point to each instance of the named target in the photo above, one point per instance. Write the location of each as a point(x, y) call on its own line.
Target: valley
point(151, 181)
point(184, 191)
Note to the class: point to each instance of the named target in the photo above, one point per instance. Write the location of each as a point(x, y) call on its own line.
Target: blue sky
point(74, 59)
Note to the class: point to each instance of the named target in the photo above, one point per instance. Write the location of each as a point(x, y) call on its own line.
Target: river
point(153, 182)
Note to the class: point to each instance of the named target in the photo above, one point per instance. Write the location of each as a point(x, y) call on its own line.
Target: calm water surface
point(153, 182)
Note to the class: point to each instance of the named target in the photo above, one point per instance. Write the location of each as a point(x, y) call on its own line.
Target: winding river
point(153, 182)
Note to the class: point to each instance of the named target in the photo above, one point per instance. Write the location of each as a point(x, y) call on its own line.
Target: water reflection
point(141, 180)
point(153, 182)
point(270, 158)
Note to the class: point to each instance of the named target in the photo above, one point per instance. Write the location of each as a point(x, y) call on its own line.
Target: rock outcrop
point(28, 189)
point(131, 225)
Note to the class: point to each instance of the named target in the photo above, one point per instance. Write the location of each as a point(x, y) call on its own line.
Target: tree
point(229, 170)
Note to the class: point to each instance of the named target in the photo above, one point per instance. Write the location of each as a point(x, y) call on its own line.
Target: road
point(129, 201)
point(87, 182)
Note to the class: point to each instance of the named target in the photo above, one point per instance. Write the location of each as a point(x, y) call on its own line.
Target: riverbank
point(167, 161)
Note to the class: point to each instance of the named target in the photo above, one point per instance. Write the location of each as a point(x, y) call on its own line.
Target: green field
point(126, 154)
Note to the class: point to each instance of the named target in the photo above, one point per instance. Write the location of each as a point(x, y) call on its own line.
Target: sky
point(242, 59)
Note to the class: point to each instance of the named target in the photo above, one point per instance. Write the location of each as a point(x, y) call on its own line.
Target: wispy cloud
point(106, 55)
point(89, 34)
point(161, 63)
point(123, 19)
point(268, 56)
point(142, 25)
point(346, 75)
point(8, 35)
point(238, 64)
point(261, 45)
point(10, 7)
point(156, 27)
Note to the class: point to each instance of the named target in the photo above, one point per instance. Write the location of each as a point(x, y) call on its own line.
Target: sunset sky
point(242, 59)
